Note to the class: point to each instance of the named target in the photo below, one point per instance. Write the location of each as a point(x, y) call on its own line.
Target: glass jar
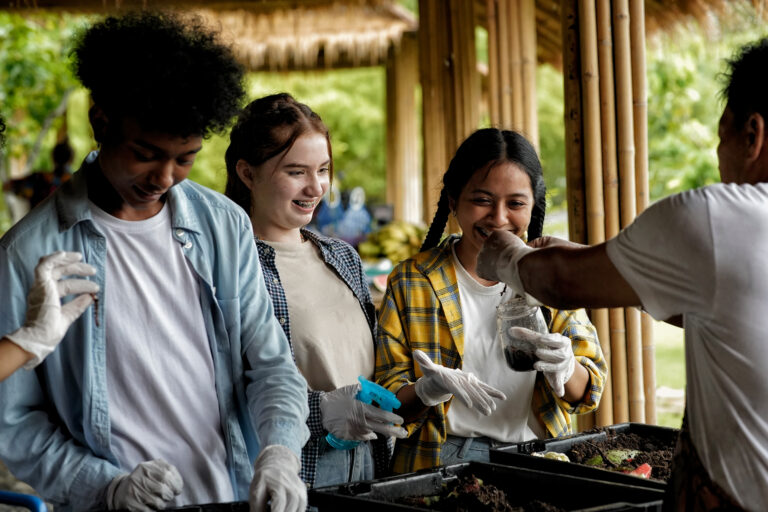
point(519, 353)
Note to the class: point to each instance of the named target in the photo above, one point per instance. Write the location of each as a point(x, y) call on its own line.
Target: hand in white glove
point(439, 383)
point(346, 417)
point(498, 259)
point(276, 478)
point(555, 354)
point(150, 486)
point(47, 320)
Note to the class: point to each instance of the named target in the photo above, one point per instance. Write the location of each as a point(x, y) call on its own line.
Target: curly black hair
point(170, 73)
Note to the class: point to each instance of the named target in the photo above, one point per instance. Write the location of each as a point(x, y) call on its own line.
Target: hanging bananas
point(395, 241)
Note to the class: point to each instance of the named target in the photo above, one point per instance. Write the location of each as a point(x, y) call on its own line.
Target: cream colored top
point(332, 341)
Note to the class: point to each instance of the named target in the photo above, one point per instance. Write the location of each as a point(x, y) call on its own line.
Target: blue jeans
point(336, 467)
point(456, 450)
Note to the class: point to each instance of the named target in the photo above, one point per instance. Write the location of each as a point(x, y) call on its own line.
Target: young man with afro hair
point(180, 387)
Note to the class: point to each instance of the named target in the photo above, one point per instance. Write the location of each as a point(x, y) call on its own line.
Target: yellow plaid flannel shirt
point(422, 310)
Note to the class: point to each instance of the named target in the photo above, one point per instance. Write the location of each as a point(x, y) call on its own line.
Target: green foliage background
point(683, 105)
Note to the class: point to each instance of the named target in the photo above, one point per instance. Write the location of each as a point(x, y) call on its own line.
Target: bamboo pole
point(592, 134)
point(592, 138)
point(505, 64)
point(640, 116)
point(494, 64)
point(403, 173)
point(628, 203)
point(516, 64)
point(432, 74)
point(574, 162)
point(527, 22)
point(616, 381)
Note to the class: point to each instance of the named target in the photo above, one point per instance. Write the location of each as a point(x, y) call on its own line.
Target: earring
point(525, 237)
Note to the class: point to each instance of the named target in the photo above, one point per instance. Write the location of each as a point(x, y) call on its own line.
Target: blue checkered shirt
point(346, 262)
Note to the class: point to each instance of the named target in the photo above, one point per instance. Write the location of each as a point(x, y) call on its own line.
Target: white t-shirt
point(331, 338)
point(513, 420)
point(704, 254)
point(160, 377)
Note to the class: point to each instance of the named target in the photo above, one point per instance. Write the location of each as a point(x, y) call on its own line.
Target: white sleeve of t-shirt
point(666, 255)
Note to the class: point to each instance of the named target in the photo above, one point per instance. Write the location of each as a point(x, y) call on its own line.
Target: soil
point(655, 452)
point(519, 360)
point(470, 494)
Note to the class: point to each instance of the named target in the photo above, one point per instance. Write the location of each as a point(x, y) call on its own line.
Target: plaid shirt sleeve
point(555, 412)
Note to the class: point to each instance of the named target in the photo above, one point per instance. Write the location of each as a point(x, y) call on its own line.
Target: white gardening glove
point(439, 383)
point(150, 486)
point(47, 320)
point(348, 418)
point(276, 479)
point(498, 259)
point(555, 356)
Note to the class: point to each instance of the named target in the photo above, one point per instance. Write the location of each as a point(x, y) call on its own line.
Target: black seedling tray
point(519, 454)
point(569, 492)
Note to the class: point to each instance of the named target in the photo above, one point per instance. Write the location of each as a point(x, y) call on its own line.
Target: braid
point(536, 226)
point(438, 223)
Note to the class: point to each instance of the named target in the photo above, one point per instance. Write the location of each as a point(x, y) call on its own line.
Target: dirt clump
point(469, 494)
point(627, 453)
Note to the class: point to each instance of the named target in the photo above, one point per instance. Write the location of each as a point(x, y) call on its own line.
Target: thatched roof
point(336, 34)
point(309, 34)
point(280, 34)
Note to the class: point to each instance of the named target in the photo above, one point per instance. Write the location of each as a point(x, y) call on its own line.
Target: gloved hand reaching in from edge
point(276, 480)
point(348, 418)
point(439, 383)
point(47, 320)
point(555, 356)
point(150, 486)
point(498, 259)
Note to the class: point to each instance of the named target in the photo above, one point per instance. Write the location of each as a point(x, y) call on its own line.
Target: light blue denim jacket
point(54, 421)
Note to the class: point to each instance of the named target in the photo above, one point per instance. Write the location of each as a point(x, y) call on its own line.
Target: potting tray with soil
point(478, 487)
point(232, 506)
point(631, 453)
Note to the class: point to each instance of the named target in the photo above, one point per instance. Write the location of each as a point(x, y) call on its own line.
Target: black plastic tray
point(519, 455)
point(233, 506)
point(569, 492)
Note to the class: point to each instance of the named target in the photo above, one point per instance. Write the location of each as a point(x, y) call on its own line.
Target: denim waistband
point(479, 443)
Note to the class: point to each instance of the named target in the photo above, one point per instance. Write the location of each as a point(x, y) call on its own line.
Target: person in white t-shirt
point(179, 389)
point(279, 168)
point(437, 328)
point(696, 259)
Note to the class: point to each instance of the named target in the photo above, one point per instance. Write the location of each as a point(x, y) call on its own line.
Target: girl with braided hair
point(438, 312)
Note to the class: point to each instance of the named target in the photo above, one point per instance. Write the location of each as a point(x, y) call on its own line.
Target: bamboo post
point(628, 203)
point(505, 64)
point(592, 140)
point(516, 64)
point(432, 74)
point(574, 161)
point(527, 23)
point(640, 116)
point(450, 88)
point(616, 384)
point(494, 68)
point(403, 173)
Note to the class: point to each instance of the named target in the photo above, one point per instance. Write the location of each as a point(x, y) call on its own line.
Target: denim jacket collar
point(72, 204)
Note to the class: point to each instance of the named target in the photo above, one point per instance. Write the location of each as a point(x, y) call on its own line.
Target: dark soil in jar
point(470, 494)
point(519, 360)
point(655, 452)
